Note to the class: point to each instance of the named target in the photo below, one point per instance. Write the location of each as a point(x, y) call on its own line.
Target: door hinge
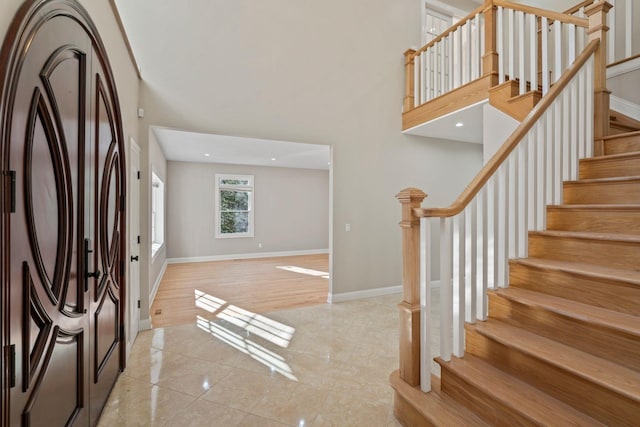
point(138, 303)
point(12, 364)
point(138, 174)
point(122, 268)
point(138, 239)
point(12, 178)
point(122, 333)
point(122, 202)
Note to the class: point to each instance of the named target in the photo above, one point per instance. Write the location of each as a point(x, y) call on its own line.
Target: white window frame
point(249, 188)
point(157, 213)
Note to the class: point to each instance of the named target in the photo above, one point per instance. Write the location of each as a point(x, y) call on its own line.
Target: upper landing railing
point(501, 41)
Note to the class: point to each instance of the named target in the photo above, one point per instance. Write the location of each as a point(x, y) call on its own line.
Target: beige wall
point(327, 72)
point(291, 210)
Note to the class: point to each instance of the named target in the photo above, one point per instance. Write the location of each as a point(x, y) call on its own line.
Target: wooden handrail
point(574, 9)
point(512, 142)
point(555, 16)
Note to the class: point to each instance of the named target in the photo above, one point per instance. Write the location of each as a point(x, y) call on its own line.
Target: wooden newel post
point(597, 14)
point(409, 72)
point(410, 198)
point(490, 56)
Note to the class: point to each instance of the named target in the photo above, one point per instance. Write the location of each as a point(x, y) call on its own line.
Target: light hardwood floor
point(257, 285)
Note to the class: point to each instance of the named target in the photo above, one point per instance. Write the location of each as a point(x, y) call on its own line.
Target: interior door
point(63, 219)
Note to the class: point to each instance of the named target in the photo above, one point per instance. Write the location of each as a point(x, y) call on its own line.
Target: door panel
point(62, 136)
point(106, 310)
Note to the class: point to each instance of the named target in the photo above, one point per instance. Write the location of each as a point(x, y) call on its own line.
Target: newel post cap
point(598, 6)
point(411, 195)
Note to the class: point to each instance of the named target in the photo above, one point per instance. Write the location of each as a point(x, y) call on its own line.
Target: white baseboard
point(623, 68)
point(145, 324)
point(369, 293)
point(231, 257)
point(156, 285)
point(625, 107)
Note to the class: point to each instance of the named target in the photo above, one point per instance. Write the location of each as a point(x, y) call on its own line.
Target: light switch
point(347, 227)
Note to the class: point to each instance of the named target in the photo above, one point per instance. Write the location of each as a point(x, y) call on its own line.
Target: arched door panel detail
point(63, 147)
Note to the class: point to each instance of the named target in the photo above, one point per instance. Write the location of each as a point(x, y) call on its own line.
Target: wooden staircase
point(561, 345)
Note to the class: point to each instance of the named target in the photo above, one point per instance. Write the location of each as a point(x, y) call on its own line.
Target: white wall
point(291, 209)
point(497, 127)
point(328, 72)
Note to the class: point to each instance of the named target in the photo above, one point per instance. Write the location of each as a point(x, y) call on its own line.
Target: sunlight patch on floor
point(307, 271)
point(259, 353)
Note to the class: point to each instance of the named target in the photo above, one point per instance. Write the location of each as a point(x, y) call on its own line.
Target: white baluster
point(558, 145)
point(418, 81)
point(483, 249)
point(573, 151)
point(458, 284)
point(523, 167)
point(446, 290)
point(513, 204)
point(557, 63)
point(531, 178)
point(566, 137)
point(571, 29)
point(533, 51)
point(521, 53)
point(468, 52)
point(611, 39)
point(443, 64)
point(544, 29)
point(543, 168)
point(427, 82)
point(503, 223)
point(477, 63)
point(500, 43)
point(581, 113)
point(589, 112)
point(550, 160)
point(471, 265)
point(494, 226)
point(450, 53)
point(425, 305)
point(511, 41)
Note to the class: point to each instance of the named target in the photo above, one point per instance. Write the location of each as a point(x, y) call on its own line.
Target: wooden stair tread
point(584, 235)
point(584, 269)
point(603, 207)
point(613, 180)
point(612, 376)
point(435, 406)
point(621, 135)
point(619, 156)
point(515, 393)
point(625, 323)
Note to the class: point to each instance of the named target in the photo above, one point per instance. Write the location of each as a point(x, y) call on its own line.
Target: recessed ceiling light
point(459, 124)
point(207, 154)
point(273, 159)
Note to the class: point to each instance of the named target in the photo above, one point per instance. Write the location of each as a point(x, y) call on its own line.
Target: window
point(234, 206)
point(157, 213)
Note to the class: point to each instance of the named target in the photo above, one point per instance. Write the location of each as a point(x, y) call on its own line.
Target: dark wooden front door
point(63, 221)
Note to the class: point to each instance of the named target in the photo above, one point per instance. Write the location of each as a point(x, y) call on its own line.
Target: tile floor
point(326, 365)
